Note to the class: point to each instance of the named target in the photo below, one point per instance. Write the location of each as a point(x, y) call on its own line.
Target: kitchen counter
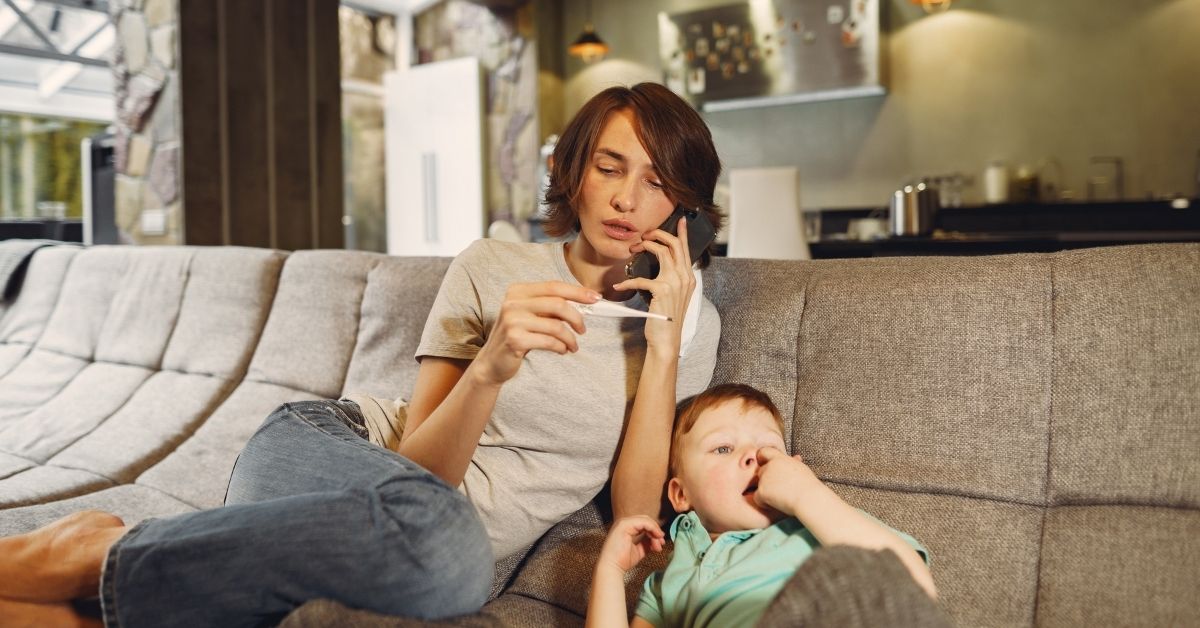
point(984, 244)
point(1013, 228)
point(49, 229)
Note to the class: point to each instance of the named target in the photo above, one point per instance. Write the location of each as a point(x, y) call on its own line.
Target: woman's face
point(623, 197)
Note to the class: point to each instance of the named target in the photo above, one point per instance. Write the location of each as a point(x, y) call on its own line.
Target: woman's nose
point(625, 197)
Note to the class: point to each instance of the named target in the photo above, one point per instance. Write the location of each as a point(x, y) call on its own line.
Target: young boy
point(751, 516)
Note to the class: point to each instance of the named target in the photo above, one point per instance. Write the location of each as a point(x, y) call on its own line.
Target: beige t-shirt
point(550, 443)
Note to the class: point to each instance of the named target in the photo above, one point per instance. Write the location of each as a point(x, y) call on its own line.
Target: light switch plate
point(154, 222)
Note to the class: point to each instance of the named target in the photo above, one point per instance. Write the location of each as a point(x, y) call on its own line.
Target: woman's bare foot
point(60, 561)
point(15, 614)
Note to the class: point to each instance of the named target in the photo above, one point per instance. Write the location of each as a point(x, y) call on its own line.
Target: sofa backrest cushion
point(313, 327)
point(1031, 418)
point(230, 291)
point(23, 320)
point(342, 322)
point(1126, 408)
point(134, 358)
point(91, 283)
point(398, 296)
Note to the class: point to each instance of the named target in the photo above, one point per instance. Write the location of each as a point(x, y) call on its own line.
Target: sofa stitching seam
point(804, 294)
point(187, 280)
point(1046, 501)
point(57, 299)
point(357, 329)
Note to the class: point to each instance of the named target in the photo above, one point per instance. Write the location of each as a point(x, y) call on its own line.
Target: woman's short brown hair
point(715, 396)
point(673, 134)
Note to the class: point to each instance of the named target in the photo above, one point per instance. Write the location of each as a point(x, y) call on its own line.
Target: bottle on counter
point(995, 183)
point(1050, 175)
point(1025, 186)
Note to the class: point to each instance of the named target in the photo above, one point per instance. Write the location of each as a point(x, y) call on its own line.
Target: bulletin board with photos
point(763, 52)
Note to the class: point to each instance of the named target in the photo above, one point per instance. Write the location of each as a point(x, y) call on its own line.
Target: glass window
point(368, 51)
point(40, 163)
point(55, 90)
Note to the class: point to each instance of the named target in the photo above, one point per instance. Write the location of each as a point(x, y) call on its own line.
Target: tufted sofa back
point(1033, 419)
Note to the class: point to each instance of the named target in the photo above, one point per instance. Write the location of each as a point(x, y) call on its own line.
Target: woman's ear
point(678, 496)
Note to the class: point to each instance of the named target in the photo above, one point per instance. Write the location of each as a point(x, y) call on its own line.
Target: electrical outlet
point(154, 222)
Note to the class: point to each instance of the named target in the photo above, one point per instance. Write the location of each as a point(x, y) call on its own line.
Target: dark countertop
point(69, 230)
point(982, 244)
point(1012, 228)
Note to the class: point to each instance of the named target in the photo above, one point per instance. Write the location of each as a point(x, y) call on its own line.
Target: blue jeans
point(312, 511)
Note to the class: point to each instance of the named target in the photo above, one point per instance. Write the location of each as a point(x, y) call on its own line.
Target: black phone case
point(700, 234)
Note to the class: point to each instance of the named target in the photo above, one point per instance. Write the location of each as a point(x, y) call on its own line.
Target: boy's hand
point(783, 481)
point(629, 541)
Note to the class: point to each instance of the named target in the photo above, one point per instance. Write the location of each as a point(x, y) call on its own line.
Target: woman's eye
point(655, 185)
point(723, 449)
point(605, 170)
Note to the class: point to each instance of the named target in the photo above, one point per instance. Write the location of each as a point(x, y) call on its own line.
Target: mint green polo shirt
point(731, 580)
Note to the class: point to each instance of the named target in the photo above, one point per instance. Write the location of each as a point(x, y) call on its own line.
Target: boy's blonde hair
point(686, 419)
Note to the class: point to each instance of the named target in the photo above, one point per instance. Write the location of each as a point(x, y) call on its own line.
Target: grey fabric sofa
point(1033, 419)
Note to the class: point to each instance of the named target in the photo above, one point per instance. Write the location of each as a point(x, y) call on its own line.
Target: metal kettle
point(912, 210)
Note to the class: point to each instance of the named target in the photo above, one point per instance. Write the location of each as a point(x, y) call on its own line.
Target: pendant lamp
point(933, 6)
point(588, 46)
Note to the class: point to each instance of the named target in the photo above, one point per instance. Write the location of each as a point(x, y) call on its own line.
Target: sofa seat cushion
point(129, 502)
point(1119, 566)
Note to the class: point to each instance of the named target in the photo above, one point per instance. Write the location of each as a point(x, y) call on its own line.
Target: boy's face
point(717, 470)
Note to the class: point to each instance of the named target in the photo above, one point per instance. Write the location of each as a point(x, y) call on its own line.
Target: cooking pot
point(912, 210)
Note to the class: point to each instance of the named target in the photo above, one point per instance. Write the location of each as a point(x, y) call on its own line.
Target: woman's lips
point(619, 230)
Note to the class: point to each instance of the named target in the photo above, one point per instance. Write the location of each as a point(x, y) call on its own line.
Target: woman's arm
point(641, 470)
point(453, 399)
point(445, 446)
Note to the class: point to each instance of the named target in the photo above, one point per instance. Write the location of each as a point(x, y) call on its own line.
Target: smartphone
point(700, 234)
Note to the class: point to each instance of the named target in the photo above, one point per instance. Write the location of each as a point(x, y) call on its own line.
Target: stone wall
point(504, 41)
point(147, 151)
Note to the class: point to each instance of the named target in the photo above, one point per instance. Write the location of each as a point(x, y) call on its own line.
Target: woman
point(519, 402)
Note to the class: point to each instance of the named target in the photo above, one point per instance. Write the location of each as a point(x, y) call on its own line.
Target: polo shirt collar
point(688, 527)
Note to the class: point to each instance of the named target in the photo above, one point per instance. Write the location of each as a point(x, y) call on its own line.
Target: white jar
point(995, 183)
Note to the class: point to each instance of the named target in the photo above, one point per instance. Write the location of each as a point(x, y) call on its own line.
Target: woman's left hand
point(671, 289)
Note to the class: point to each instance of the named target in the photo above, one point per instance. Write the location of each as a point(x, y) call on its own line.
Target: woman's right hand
point(534, 316)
